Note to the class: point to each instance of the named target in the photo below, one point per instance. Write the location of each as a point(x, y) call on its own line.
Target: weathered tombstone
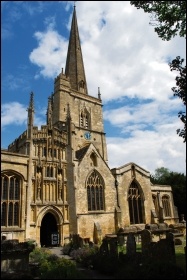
point(121, 240)
point(113, 246)
point(97, 232)
point(104, 250)
point(171, 244)
point(152, 227)
point(146, 241)
point(131, 244)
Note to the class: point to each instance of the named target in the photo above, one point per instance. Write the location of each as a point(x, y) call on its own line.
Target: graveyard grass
point(180, 256)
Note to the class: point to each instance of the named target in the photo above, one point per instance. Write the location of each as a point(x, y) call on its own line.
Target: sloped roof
point(80, 153)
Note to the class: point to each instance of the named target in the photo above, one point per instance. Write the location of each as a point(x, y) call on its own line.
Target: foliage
point(53, 267)
point(180, 90)
point(170, 20)
point(84, 255)
point(177, 181)
point(168, 16)
point(38, 255)
point(60, 268)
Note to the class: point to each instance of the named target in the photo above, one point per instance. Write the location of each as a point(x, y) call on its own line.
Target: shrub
point(59, 269)
point(85, 255)
point(38, 255)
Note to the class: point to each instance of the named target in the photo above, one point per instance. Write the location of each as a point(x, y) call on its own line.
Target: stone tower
point(80, 114)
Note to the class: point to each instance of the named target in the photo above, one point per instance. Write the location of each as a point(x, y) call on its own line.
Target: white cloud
point(50, 53)
point(13, 113)
point(148, 149)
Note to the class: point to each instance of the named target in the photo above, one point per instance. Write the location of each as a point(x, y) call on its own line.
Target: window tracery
point(10, 200)
point(95, 192)
point(135, 201)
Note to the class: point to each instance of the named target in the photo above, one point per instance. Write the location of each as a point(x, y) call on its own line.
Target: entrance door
point(48, 227)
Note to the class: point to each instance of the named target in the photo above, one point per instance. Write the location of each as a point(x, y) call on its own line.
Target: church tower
point(80, 115)
point(71, 88)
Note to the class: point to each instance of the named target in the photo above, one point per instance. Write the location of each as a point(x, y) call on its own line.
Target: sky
point(122, 54)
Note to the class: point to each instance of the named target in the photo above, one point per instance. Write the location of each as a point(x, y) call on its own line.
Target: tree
point(168, 16)
point(177, 181)
point(180, 90)
point(169, 19)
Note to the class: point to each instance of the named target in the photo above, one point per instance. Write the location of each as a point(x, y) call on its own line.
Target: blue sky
point(122, 55)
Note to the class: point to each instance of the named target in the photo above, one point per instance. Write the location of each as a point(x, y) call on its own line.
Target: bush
point(38, 255)
point(85, 255)
point(59, 269)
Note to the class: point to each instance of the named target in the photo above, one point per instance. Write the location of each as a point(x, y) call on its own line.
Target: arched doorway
point(48, 227)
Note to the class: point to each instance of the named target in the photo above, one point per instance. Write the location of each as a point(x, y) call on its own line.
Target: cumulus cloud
point(50, 52)
point(15, 113)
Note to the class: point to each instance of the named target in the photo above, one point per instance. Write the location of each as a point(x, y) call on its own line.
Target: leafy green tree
point(169, 19)
point(180, 91)
point(177, 181)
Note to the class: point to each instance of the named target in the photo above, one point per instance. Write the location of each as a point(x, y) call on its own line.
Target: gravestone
point(131, 245)
point(104, 250)
point(146, 240)
point(113, 246)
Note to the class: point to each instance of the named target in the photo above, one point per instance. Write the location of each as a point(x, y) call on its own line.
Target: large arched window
point(166, 206)
point(135, 201)
point(95, 192)
point(10, 200)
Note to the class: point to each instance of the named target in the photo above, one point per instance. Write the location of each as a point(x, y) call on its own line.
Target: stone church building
point(56, 181)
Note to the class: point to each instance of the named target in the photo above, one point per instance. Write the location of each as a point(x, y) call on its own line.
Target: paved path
point(59, 252)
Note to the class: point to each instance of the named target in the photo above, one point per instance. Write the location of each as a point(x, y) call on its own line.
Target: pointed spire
point(68, 112)
point(31, 103)
point(99, 94)
point(30, 118)
point(49, 112)
point(74, 62)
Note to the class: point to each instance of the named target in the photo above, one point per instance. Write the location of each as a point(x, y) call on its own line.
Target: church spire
point(74, 62)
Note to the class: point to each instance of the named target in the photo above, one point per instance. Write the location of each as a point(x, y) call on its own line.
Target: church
point(56, 180)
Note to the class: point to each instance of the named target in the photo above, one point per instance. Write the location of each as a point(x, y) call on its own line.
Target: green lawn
point(180, 256)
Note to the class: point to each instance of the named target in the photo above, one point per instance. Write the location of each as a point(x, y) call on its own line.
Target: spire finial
point(99, 94)
point(74, 4)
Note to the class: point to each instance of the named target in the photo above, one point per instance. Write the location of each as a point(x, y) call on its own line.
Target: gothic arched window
point(166, 206)
point(135, 201)
point(10, 200)
point(95, 192)
point(85, 119)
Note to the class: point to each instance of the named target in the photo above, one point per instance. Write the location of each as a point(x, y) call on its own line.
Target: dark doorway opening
point(48, 226)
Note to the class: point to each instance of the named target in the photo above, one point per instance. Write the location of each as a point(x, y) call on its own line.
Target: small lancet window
point(81, 86)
